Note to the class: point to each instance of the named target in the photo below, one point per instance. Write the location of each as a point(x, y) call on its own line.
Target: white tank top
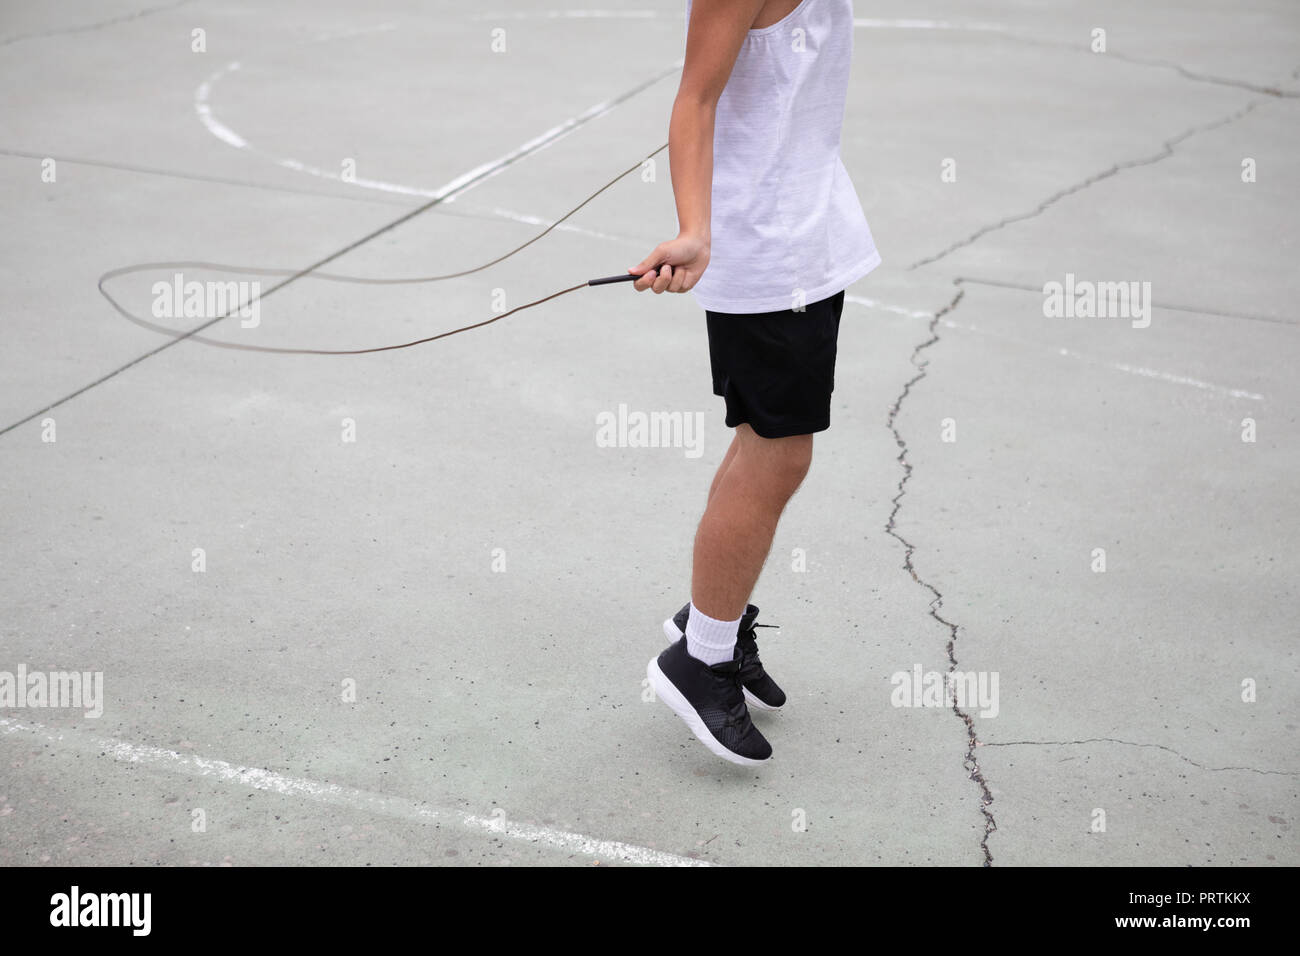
point(787, 225)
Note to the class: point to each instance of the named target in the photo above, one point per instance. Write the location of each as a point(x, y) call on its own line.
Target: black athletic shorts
point(776, 370)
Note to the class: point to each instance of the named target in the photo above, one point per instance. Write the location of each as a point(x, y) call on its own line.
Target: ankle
point(709, 639)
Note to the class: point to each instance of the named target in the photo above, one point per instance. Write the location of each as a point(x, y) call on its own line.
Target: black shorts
point(776, 370)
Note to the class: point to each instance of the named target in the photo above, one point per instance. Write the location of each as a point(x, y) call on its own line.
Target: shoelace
point(751, 666)
point(729, 683)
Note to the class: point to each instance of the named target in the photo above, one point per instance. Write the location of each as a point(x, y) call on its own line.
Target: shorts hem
point(786, 431)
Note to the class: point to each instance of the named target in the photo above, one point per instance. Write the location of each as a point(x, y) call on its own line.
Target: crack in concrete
point(1160, 64)
point(1208, 78)
point(86, 28)
point(1133, 743)
point(1167, 306)
point(972, 741)
point(970, 762)
point(1166, 151)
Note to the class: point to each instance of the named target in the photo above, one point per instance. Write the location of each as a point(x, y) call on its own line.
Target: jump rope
point(359, 280)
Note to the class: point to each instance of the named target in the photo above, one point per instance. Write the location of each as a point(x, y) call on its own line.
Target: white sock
point(709, 640)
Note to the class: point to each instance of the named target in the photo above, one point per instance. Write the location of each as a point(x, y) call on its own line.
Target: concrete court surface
point(426, 645)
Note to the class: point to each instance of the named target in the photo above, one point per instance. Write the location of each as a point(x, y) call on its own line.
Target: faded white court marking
point(530, 220)
point(1169, 378)
point(229, 136)
point(885, 307)
point(346, 797)
point(223, 132)
point(466, 181)
point(864, 22)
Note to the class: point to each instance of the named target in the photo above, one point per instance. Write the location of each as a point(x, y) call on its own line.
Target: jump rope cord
point(360, 280)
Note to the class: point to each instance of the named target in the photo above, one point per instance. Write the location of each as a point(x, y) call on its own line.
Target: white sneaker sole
point(674, 635)
point(666, 691)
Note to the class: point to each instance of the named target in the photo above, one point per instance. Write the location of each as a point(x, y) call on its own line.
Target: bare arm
point(713, 40)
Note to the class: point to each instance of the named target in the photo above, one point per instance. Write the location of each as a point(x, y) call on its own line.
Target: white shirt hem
point(827, 289)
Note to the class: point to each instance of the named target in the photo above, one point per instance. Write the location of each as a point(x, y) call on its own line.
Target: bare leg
point(746, 503)
point(726, 463)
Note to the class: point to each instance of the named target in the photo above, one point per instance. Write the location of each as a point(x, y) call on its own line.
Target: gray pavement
point(426, 645)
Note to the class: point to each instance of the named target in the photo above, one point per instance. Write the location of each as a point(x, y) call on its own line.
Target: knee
point(796, 459)
point(786, 461)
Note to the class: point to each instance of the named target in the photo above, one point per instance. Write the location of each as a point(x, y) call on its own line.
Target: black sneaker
point(760, 690)
point(711, 701)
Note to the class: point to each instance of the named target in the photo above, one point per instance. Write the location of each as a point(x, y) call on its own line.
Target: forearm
point(690, 157)
point(714, 37)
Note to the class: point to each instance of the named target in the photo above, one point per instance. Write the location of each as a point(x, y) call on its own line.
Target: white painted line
point(462, 183)
point(203, 107)
point(864, 22)
point(1167, 377)
point(531, 220)
point(1151, 373)
point(347, 797)
point(217, 128)
point(897, 310)
point(544, 140)
point(872, 24)
point(574, 15)
point(1183, 380)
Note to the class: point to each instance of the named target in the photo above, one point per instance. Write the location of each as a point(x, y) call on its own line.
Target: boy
point(770, 233)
